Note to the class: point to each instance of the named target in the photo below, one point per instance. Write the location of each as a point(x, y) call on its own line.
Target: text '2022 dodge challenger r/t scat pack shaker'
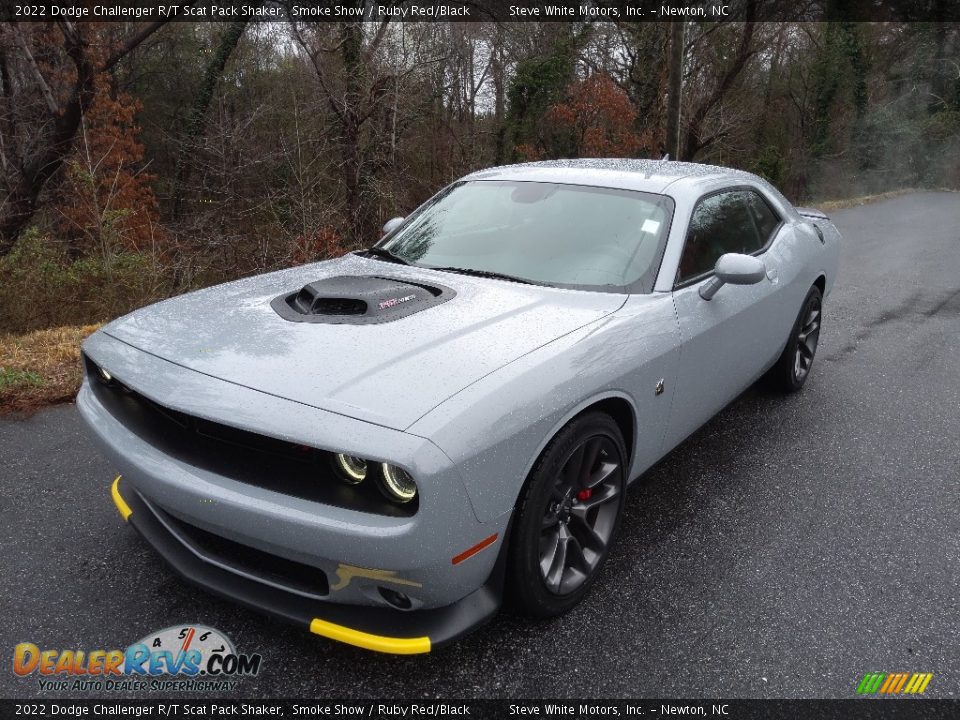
point(380, 446)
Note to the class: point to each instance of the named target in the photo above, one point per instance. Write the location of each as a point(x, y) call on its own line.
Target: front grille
point(254, 563)
point(284, 467)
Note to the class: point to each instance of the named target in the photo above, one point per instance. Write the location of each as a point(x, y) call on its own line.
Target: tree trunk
point(695, 142)
point(499, 97)
point(672, 144)
point(201, 103)
point(21, 202)
point(355, 75)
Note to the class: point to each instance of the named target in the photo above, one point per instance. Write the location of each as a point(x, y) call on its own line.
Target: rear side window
point(765, 218)
point(721, 223)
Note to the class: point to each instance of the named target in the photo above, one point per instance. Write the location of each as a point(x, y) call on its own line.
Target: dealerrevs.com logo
point(181, 657)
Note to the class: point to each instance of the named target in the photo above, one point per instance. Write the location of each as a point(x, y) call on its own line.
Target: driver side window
point(721, 223)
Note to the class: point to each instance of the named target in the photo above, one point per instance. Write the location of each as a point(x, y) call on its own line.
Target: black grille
point(256, 563)
point(289, 468)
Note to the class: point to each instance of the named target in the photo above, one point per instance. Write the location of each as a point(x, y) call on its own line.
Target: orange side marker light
point(470, 552)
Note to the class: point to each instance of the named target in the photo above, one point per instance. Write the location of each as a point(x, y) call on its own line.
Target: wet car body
point(224, 415)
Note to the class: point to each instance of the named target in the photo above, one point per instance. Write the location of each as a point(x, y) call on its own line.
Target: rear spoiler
point(813, 213)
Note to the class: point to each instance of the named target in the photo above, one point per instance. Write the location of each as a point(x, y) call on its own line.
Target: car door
point(728, 341)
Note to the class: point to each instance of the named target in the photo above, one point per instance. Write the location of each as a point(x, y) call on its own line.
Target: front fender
point(495, 429)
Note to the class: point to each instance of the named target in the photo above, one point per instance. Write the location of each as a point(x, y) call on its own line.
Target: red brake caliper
point(584, 494)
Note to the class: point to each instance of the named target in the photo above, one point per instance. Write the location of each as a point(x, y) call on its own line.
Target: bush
point(770, 165)
point(42, 286)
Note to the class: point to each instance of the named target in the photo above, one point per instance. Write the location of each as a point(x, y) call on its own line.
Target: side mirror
point(734, 269)
point(390, 225)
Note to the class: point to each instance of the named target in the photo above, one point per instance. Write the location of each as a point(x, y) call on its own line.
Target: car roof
point(624, 173)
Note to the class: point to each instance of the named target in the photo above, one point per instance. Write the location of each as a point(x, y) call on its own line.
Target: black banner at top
point(482, 10)
point(187, 707)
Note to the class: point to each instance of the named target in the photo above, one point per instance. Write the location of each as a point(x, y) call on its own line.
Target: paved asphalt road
point(786, 549)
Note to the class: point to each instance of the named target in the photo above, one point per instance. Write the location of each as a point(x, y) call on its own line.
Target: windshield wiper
point(486, 274)
point(385, 254)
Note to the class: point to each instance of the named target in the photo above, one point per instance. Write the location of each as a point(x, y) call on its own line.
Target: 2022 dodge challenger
point(381, 445)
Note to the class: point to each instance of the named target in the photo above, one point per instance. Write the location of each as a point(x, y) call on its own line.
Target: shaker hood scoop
point(359, 300)
point(413, 355)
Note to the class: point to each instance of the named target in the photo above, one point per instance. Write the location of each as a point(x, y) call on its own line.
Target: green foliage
point(939, 149)
point(42, 286)
point(770, 165)
point(840, 66)
point(538, 83)
point(11, 378)
point(942, 126)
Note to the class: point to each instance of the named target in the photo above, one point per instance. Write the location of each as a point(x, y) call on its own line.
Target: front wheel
point(793, 367)
point(568, 515)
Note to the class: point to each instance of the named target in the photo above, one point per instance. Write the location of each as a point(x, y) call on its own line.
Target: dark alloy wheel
point(793, 367)
point(568, 516)
point(807, 338)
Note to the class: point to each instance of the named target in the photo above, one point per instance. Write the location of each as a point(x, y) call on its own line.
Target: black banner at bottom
point(521, 709)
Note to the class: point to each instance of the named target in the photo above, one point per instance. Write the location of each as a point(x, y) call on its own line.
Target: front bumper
point(344, 564)
point(378, 629)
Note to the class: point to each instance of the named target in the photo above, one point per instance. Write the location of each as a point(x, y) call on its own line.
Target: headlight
point(103, 375)
point(397, 484)
point(352, 469)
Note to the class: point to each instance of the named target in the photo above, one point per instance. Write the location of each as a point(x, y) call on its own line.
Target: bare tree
point(37, 137)
point(725, 74)
point(675, 91)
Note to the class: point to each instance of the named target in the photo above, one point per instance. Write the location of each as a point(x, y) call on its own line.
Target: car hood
point(389, 373)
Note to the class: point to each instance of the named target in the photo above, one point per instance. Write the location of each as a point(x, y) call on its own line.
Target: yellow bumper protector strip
point(377, 643)
point(119, 501)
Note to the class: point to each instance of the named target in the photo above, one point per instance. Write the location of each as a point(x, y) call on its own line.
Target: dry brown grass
point(828, 205)
point(40, 368)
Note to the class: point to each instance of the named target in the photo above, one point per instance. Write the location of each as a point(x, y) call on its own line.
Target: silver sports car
point(381, 446)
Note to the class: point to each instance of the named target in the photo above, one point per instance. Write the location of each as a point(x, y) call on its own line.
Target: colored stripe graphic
point(871, 683)
point(918, 683)
point(888, 683)
point(864, 684)
point(894, 683)
point(899, 686)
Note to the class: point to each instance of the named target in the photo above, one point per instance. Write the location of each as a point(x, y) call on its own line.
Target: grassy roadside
point(40, 368)
point(830, 205)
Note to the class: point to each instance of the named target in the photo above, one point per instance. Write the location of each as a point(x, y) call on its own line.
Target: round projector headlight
point(397, 484)
point(352, 469)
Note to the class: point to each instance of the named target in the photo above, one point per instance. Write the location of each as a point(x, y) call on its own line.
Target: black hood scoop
point(360, 300)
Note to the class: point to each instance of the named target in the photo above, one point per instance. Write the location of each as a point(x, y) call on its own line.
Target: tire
point(795, 363)
point(567, 516)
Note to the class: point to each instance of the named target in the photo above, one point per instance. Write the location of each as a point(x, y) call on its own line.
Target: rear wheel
point(568, 516)
point(794, 365)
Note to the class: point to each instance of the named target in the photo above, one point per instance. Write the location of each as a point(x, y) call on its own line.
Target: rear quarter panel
point(828, 262)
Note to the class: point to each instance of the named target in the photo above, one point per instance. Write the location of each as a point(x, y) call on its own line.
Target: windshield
point(548, 233)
